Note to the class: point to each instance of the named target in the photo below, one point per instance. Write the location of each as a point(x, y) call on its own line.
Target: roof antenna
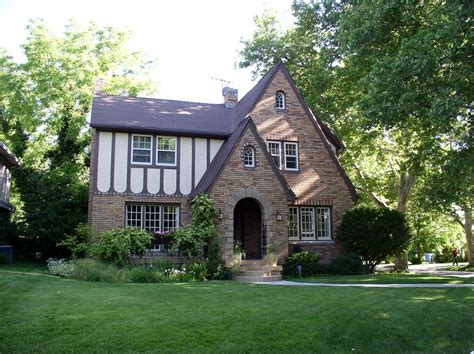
point(222, 84)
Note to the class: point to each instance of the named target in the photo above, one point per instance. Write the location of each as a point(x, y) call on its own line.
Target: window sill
point(311, 242)
point(248, 168)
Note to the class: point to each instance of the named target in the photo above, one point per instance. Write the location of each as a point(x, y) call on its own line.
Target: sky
point(192, 41)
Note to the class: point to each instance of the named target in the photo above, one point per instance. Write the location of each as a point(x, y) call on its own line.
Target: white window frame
point(286, 143)
point(252, 150)
point(297, 237)
point(133, 148)
point(279, 150)
point(318, 229)
point(158, 150)
point(142, 207)
point(306, 235)
point(280, 104)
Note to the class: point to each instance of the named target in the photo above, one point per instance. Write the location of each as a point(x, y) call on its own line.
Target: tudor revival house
point(266, 161)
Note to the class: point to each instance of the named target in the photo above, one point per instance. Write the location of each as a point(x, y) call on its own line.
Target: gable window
point(141, 149)
point(166, 151)
point(152, 217)
point(274, 147)
point(309, 223)
point(280, 100)
point(249, 157)
point(291, 156)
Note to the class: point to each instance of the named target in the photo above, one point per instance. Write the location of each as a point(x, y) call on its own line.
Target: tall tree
point(45, 101)
point(396, 79)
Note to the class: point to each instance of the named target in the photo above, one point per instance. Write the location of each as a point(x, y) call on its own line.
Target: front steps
point(257, 270)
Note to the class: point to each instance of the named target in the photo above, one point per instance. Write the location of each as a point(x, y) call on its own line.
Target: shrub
point(118, 245)
point(215, 263)
point(145, 275)
point(198, 271)
point(93, 270)
point(191, 240)
point(347, 264)
point(60, 267)
point(308, 261)
point(3, 258)
point(374, 233)
point(79, 242)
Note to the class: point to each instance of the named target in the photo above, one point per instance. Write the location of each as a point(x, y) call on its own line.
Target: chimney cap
point(229, 90)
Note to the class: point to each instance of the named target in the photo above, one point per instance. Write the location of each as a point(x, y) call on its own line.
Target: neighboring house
point(7, 161)
point(266, 161)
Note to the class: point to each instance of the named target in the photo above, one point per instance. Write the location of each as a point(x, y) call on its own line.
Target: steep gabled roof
point(158, 115)
point(321, 134)
point(220, 160)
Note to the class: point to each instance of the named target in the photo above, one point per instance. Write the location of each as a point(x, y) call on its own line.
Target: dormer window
point(249, 157)
point(280, 100)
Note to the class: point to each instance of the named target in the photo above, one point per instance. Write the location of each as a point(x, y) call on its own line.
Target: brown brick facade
point(236, 182)
point(318, 181)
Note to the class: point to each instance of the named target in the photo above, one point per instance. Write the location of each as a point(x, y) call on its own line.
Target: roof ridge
point(100, 94)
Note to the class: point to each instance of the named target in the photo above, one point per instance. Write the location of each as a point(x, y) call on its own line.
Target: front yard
point(41, 313)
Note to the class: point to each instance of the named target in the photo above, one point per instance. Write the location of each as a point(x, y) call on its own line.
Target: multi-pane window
point(134, 216)
point(166, 151)
point(280, 100)
point(249, 157)
point(170, 217)
point(309, 223)
point(323, 223)
point(274, 147)
point(291, 156)
point(141, 149)
point(293, 231)
point(152, 217)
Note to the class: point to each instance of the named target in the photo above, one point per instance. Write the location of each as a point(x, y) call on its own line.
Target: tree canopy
point(45, 100)
point(395, 81)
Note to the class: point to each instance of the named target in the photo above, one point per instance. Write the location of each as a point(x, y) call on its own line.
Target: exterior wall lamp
point(220, 214)
point(278, 215)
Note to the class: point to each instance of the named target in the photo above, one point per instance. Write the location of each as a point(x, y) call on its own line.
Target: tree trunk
point(405, 186)
point(468, 233)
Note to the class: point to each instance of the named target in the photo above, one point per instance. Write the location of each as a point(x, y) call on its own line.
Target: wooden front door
point(248, 227)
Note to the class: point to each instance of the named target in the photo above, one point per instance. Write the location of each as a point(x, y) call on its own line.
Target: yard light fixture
point(278, 215)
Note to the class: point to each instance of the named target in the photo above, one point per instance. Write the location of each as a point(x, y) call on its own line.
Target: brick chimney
point(231, 97)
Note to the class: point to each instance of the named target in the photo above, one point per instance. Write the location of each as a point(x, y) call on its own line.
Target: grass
point(48, 314)
point(385, 278)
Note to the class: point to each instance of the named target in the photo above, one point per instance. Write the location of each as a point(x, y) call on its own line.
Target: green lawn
point(47, 314)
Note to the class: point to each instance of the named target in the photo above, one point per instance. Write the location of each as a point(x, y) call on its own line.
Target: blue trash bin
point(7, 250)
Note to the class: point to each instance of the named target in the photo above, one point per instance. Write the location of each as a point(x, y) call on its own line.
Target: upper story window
point(249, 157)
point(291, 156)
point(166, 151)
point(274, 147)
point(141, 149)
point(288, 151)
point(280, 100)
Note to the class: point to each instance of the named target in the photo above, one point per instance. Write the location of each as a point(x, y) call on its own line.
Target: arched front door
point(248, 227)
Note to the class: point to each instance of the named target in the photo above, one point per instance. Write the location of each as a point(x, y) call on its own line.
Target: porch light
point(278, 215)
point(220, 215)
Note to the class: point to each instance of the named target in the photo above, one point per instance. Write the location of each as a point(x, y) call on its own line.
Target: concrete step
point(254, 273)
point(246, 267)
point(257, 262)
point(251, 279)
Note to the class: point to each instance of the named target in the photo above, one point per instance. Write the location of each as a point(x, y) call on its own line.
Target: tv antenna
point(222, 81)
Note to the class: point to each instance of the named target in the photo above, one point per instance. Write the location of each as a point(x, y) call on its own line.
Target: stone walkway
point(431, 269)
